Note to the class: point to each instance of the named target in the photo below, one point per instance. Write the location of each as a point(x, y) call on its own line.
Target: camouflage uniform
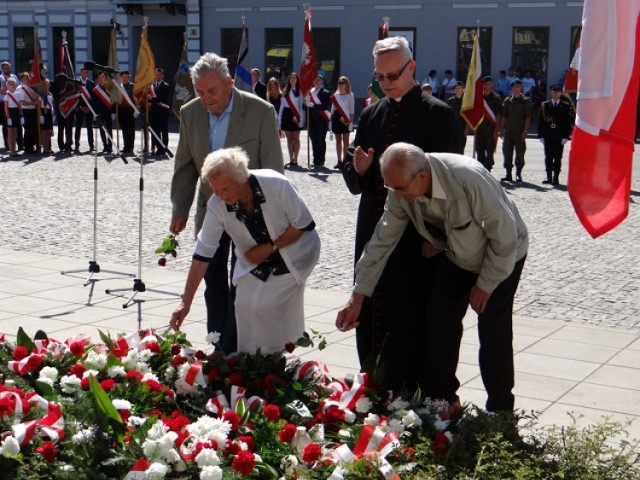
point(515, 112)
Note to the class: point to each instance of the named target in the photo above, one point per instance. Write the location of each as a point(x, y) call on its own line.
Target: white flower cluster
point(48, 375)
point(96, 360)
point(159, 445)
point(9, 446)
point(209, 428)
point(135, 360)
point(70, 384)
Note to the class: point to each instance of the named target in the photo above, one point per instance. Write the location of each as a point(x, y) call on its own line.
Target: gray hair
point(392, 44)
point(409, 158)
point(210, 62)
point(226, 161)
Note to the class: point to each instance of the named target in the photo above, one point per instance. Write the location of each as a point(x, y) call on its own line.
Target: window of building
point(23, 49)
point(100, 41)
point(408, 33)
point(57, 42)
point(278, 43)
point(465, 49)
point(530, 51)
point(575, 39)
point(326, 42)
point(230, 46)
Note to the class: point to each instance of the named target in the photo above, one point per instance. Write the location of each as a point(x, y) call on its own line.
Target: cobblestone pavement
point(48, 208)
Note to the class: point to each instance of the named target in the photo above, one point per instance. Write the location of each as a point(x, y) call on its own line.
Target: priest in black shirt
point(391, 324)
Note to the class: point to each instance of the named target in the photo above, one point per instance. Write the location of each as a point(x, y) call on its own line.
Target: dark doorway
point(166, 44)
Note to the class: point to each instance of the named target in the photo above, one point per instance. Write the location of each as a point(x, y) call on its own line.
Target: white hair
point(226, 161)
point(210, 62)
point(409, 158)
point(393, 44)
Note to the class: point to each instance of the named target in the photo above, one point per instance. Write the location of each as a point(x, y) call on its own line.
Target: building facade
point(539, 36)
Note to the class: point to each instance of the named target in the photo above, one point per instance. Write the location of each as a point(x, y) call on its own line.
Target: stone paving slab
point(48, 210)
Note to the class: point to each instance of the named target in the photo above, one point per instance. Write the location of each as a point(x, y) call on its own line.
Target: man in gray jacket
point(221, 117)
point(480, 242)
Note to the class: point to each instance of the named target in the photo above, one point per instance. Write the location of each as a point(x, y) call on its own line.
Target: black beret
point(487, 78)
point(555, 88)
point(517, 81)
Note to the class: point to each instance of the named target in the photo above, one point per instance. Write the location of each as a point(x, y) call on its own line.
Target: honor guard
point(554, 129)
point(517, 111)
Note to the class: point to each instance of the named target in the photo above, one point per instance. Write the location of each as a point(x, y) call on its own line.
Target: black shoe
point(547, 181)
point(75, 150)
point(507, 178)
point(518, 177)
point(160, 152)
point(338, 166)
point(556, 180)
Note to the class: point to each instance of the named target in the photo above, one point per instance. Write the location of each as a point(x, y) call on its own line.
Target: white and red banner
point(102, 95)
point(69, 97)
point(571, 78)
point(291, 102)
point(473, 104)
point(600, 158)
point(338, 103)
point(313, 98)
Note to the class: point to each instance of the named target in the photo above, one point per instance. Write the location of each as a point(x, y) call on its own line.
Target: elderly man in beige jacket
point(475, 233)
point(221, 117)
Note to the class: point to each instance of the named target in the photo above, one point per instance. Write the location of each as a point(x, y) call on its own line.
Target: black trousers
point(30, 128)
point(219, 297)
point(87, 120)
point(445, 311)
point(3, 122)
point(107, 123)
point(128, 126)
point(65, 130)
point(484, 145)
point(159, 121)
point(318, 128)
point(553, 150)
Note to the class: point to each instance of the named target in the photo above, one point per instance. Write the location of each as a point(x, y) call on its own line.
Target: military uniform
point(461, 137)
point(517, 111)
point(485, 141)
point(126, 120)
point(556, 120)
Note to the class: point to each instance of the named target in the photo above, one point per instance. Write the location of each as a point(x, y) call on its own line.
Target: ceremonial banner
point(571, 78)
point(473, 108)
point(242, 78)
point(145, 67)
point(602, 144)
point(308, 66)
point(183, 90)
point(383, 32)
point(38, 74)
point(112, 83)
point(68, 97)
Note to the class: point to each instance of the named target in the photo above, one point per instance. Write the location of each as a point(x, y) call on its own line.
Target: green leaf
point(40, 335)
point(24, 340)
point(322, 345)
point(106, 339)
point(267, 471)
point(159, 250)
point(46, 391)
point(108, 415)
point(174, 253)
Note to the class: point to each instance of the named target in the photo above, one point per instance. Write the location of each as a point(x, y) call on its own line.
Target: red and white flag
point(102, 95)
point(472, 109)
point(571, 78)
point(602, 145)
point(308, 66)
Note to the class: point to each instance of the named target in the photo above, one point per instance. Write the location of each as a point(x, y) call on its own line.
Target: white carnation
point(211, 473)
point(372, 419)
point(150, 376)
point(145, 355)
point(46, 380)
point(289, 463)
point(121, 404)
point(395, 425)
point(411, 419)
point(48, 373)
point(116, 371)
point(136, 422)
point(349, 416)
point(90, 372)
point(70, 384)
point(97, 360)
point(207, 457)
point(130, 360)
point(84, 436)
point(9, 446)
point(156, 471)
point(363, 405)
point(398, 404)
point(213, 337)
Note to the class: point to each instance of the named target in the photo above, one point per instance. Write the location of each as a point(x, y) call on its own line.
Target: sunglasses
point(342, 82)
point(392, 77)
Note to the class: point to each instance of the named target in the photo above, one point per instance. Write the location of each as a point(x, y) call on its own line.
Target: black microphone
point(64, 78)
point(89, 65)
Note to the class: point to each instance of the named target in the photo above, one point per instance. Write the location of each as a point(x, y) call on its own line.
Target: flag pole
point(36, 58)
point(113, 23)
point(307, 7)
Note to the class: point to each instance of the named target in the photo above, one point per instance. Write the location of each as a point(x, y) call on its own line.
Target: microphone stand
point(94, 267)
point(138, 284)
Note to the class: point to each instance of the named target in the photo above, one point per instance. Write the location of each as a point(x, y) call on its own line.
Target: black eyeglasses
point(392, 77)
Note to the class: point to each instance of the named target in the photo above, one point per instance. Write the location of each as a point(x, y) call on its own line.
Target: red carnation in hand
point(286, 434)
point(311, 453)
point(233, 418)
point(20, 352)
point(48, 451)
point(244, 462)
point(271, 412)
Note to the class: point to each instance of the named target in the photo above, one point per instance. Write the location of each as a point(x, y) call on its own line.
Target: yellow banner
point(146, 66)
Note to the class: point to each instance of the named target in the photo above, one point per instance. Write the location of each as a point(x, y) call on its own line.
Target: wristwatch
point(274, 247)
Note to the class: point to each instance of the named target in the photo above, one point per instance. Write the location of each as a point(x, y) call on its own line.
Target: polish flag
point(602, 145)
point(571, 78)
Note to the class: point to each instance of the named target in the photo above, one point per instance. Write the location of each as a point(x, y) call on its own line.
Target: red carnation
point(232, 362)
point(175, 349)
point(248, 439)
point(233, 418)
point(178, 360)
point(200, 355)
point(244, 462)
point(84, 383)
point(286, 434)
point(232, 448)
point(236, 379)
point(333, 415)
point(272, 412)
point(155, 386)
point(440, 443)
point(78, 370)
point(153, 346)
point(77, 348)
point(290, 347)
point(176, 422)
point(212, 374)
point(19, 353)
point(134, 375)
point(311, 453)
point(108, 384)
point(34, 362)
point(48, 451)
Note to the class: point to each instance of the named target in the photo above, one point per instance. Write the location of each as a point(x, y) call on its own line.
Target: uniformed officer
point(126, 118)
point(487, 132)
point(455, 102)
point(554, 128)
point(517, 111)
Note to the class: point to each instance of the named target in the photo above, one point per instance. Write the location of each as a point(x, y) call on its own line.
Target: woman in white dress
point(277, 247)
point(342, 112)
